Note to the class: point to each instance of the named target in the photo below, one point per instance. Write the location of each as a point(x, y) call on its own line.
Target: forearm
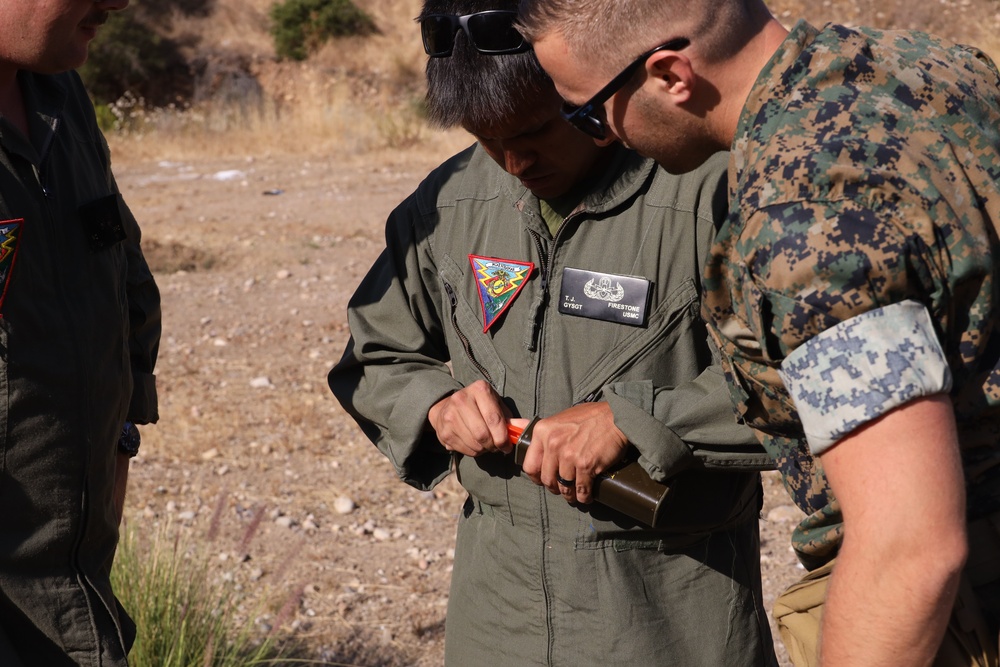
point(877, 615)
point(896, 576)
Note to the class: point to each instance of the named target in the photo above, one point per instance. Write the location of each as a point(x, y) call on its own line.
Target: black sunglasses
point(588, 117)
point(491, 32)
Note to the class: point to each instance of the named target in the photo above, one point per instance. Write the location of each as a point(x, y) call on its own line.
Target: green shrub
point(128, 56)
point(299, 27)
point(183, 617)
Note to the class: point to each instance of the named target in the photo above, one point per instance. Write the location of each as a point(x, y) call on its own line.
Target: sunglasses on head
point(589, 116)
point(491, 32)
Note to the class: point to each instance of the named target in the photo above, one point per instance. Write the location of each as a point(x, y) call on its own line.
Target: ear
point(672, 75)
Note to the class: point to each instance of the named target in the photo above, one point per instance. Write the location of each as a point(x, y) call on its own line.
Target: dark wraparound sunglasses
point(491, 32)
point(589, 116)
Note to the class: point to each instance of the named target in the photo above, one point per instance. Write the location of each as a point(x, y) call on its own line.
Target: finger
point(464, 432)
point(488, 420)
point(550, 471)
point(567, 484)
point(584, 486)
point(532, 465)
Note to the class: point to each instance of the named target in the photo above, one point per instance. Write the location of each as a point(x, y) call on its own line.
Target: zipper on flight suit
point(51, 214)
point(545, 260)
point(543, 284)
point(466, 345)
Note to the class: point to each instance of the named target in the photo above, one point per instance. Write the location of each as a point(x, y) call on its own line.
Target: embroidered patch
point(498, 281)
point(10, 237)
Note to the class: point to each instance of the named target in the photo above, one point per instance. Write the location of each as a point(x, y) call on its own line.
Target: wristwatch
point(128, 441)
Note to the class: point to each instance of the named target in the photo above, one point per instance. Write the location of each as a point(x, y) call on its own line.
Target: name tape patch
point(604, 296)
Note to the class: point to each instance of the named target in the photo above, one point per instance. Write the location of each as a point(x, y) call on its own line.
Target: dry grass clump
point(355, 95)
point(323, 118)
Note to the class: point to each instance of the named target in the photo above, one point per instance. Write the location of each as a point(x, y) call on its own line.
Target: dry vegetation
point(259, 220)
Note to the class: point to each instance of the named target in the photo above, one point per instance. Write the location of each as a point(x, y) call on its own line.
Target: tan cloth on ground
point(967, 643)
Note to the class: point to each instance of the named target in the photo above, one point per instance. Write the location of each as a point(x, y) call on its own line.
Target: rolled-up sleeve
point(862, 368)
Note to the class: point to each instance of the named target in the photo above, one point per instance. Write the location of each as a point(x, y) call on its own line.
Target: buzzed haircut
point(473, 89)
point(610, 33)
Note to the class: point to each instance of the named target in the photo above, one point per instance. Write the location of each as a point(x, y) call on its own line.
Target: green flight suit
point(79, 331)
point(537, 581)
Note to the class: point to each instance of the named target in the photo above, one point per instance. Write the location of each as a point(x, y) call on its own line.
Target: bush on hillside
point(299, 27)
point(128, 56)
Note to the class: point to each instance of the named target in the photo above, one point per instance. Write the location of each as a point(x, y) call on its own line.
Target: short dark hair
point(473, 89)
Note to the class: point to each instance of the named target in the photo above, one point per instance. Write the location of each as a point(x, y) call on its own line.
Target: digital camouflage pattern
point(860, 369)
point(865, 172)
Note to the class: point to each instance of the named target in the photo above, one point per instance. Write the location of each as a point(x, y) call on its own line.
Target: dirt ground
point(252, 458)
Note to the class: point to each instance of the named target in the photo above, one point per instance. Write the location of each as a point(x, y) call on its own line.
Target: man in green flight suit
point(536, 273)
point(79, 333)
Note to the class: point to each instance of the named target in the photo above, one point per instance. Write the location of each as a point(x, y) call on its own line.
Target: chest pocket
point(645, 354)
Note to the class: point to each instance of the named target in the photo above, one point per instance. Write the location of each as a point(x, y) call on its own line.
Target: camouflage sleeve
point(863, 368)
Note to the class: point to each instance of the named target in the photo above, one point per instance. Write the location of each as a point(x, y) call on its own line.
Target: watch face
point(128, 441)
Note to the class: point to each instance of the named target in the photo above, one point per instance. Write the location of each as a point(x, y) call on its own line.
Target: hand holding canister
point(627, 488)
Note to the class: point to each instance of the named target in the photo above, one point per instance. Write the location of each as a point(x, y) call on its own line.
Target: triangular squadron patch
point(499, 281)
point(10, 236)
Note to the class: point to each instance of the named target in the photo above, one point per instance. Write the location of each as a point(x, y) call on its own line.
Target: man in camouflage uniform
point(853, 290)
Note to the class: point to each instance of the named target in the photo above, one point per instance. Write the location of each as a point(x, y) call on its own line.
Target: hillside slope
point(381, 65)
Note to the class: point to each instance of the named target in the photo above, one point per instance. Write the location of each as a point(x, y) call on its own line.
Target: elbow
point(953, 551)
point(940, 560)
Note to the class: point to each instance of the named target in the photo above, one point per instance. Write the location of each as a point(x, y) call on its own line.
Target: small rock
point(285, 521)
point(784, 513)
point(380, 534)
point(210, 454)
point(261, 382)
point(186, 516)
point(343, 505)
